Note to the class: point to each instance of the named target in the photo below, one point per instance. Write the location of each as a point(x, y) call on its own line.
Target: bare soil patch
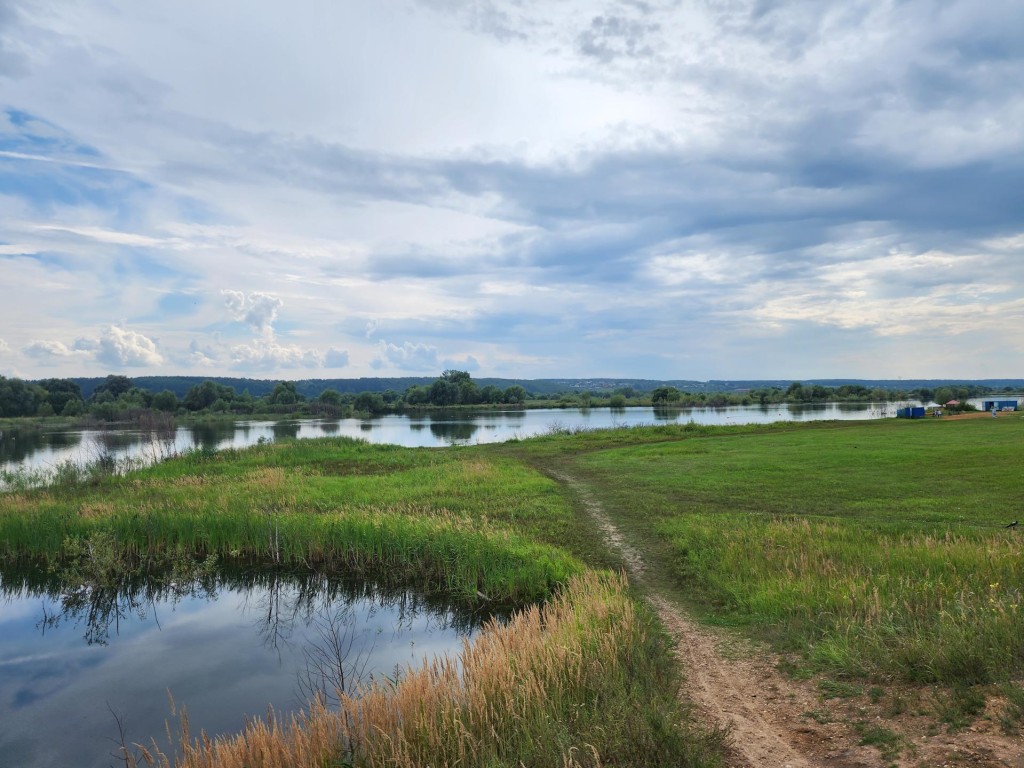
point(776, 721)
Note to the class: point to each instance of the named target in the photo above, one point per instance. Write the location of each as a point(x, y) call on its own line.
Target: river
point(42, 450)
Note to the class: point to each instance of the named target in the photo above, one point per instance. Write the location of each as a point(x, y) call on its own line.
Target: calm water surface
point(72, 660)
point(43, 449)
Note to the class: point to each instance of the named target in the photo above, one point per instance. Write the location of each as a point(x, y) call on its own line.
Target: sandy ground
point(778, 722)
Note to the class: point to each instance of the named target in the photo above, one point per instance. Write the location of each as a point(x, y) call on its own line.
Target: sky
point(732, 189)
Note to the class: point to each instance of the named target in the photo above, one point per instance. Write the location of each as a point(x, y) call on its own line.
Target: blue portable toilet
point(910, 412)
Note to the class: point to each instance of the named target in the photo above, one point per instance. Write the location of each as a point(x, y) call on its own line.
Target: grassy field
point(873, 548)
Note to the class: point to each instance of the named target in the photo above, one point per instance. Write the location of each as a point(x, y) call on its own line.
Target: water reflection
point(16, 444)
point(453, 432)
point(226, 646)
point(285, 430)
point(209, 435)
point(665, 413)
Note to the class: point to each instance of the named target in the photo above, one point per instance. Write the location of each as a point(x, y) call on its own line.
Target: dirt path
point(777, 722)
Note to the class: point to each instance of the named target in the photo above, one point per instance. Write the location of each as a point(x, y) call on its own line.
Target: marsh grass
point(64, 474)
point(437, 550)
point(68, 474)
point(483, 529)
point(581, 681)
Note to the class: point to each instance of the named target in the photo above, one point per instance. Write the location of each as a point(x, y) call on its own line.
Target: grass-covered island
point(870, 557)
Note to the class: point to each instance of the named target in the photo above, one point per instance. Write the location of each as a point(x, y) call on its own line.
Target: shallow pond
point(76, 666)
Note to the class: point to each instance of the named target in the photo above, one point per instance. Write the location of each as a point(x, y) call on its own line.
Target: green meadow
point(863, 550)
point(869, 548)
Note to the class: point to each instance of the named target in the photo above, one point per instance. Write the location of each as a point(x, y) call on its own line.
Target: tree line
point(798, 392)
point(118, 398)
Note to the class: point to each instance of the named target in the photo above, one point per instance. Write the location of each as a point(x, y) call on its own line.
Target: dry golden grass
point(477, 469)
point(20, 503)
point(506, 696)
point(267, 478)
point(92, 510)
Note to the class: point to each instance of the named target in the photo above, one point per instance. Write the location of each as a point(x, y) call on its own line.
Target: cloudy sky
point(523, 188)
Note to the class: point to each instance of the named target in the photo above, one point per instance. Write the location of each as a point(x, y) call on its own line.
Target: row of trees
point(814, 393)
point(118, 397)
point(63, 397)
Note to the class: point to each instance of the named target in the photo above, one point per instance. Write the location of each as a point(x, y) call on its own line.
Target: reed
point(581, 681)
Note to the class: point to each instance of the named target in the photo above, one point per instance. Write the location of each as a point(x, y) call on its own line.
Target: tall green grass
point(928, 607)
point(444, 520)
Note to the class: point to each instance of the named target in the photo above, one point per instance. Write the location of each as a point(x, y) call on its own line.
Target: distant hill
point(313, 387)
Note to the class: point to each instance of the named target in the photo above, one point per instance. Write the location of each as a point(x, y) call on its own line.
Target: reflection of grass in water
point(68, 473)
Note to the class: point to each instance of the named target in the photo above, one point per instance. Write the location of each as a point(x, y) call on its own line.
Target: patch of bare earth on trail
point(775, 721)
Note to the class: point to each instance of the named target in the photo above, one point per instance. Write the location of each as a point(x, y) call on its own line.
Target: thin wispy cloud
point(618, 187)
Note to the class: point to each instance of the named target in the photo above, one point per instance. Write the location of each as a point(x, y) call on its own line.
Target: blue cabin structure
point(1000, 405)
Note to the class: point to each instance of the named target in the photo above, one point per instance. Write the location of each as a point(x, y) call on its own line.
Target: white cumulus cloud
point(203, 356)
point(408, 357)
point(268, 354)
point(115, 347)
point(43, 349)
point(257, 309)
point(468, 363)
point(120, 346)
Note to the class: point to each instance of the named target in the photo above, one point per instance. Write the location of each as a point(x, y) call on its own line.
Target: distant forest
point(311, 388)
point(154, 399)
